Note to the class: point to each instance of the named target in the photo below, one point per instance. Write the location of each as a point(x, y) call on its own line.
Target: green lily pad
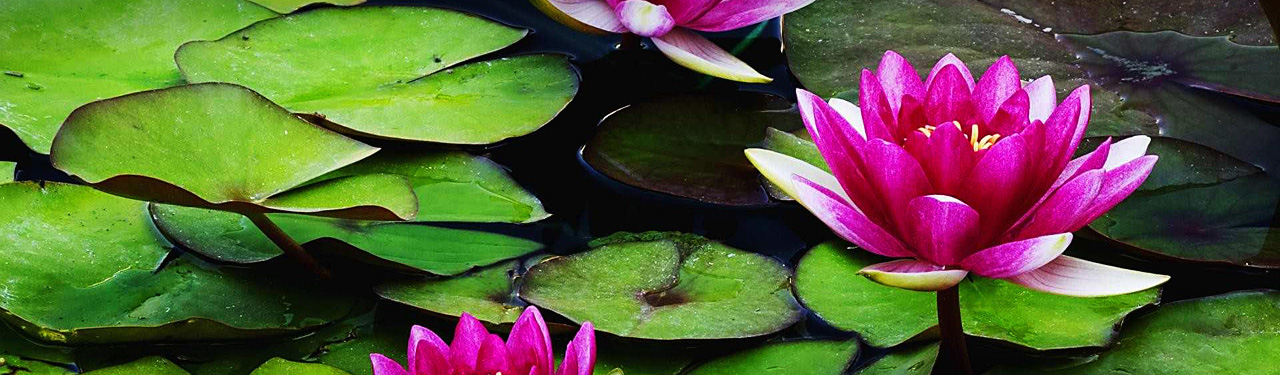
point(454, 186)
point(1199, 205)
point(147, 366)
point(827, 282)
point(231, 237)
point(485, 294)
point(18, 366)
point(225, 147)
point(799, 357)
point(830, 41)
point(396, 76)
point(794, 146)
point(666, 287)
point(280, 366)
point(1234, 334)
point(690, 146)
point(84, 267)
point(638, 359)
point(352, 354)
point(288, 6)
point(81, 51)
point(918, 360)
point(14, 344)
point(7, 171)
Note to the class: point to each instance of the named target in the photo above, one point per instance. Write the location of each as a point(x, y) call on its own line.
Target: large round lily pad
point(690, 146)
point(288, 6)
point(485, 294)
point(392, 72)
point(666, 287)
point(61, 54)
point(799, 357)
point(280, 366)
point(1231, 334)
point(85, 267)
point(222, 146)
point(454, 186)
point(827, 282)
point(1199, 205)
point(231, 237)
point(148, 366)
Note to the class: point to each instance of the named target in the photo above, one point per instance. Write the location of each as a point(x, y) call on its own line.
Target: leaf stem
point(288, 244)
point(954, 357)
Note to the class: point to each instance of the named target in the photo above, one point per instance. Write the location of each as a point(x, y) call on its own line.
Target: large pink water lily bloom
point(671, 25)
point(474, 351)
point(956, 176)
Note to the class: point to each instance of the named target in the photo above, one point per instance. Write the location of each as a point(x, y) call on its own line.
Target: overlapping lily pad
point(1199, 205)
point(690, 146)
point(61, 54)
point(827, 282)
point(230, 237)
point(918, 360)
point(148, 365)
point(798, 357)
point(225, 147)
point(1234, 334)
point(17, 365)
point(392, 72)
point(666, 287)
point(288, 6)
point(280, 366)
point(454, 186)
point(85, 267)
point(485, 294)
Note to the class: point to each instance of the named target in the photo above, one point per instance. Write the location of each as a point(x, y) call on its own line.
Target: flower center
point(979, 143)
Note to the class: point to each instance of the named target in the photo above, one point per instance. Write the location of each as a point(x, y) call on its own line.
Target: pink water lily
point(671, 25)
point(956, 177)
point(474, 351)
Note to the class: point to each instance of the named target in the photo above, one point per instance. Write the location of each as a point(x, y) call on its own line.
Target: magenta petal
point(428, 354)
point(1091, 161)
point(943, 228)
point(997, 84)
point(733, 14)
point(878, 118)
point(895, 177)
point(493, 357)
point(644, 18)
point(846, 221)
point(595, 14)
point(693, 51)
point(912, 274)
point(898, 79)
point(1070, 276)
point(1065, 128)
point(1012, 115)
point(529, 345)
point(580, 355)
point(946, 156)
point(1043, 98)
point(996, 186)
point(1117, 184)
point(950, 60)
point(386, 366)
point(685, 11)
point(949, 99)
point(467, 338)
point(1064, 208)
point(1016, 258)
point(839, 143)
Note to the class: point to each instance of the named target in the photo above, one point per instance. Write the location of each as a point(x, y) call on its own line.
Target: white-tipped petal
point(914, 275)
point(1126, 150)
point(851, 113)
point(778, 168)
point(693, 51)
point(1076, 277)
point(591, 16)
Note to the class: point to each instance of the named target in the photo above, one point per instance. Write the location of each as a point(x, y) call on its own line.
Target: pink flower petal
point(1070, 276)
point(695, 52)
point(851, 113)
point(468, 336)
point(644, 18)
point(898, 79)
point(686, 11)
point(845, 221)
point(580, 355)
point(948, 99)
point(592, 16)
point(1091, 161)
point(950, 60)
point(529, 345)
point(943, 228)
point(946, 156)
point(997, 84)
point(840, 145)
point(428, 354)
point(733, 14)
point(1126, 151)
point(1117, 184)
point(1065, 128)
point(493, 357)
point(386, 366)
point(1016, 258)
point(1012, 116)
point(1064, 208)
point(895, 177)
point(1043, 98)
point(878, 117)
point(913, 275)
point(996, 186)
point(779, 168)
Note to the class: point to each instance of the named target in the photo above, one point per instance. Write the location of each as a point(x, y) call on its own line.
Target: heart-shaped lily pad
point(485, 294)
point(798, 357)
point(666, 287)
point(231, 237)
point(827, 282)
point(225, 147)
point(280, 366)
point(1230, 334)
point(917, 360)
point(389, 72)
point(1199, 205)
point(61, 54)
point(83, 269)
point(690, 146)
point(148, 366)
point(288, 6)
point(454, 186)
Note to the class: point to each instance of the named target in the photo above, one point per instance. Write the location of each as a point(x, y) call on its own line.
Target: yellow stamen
point(979, 143)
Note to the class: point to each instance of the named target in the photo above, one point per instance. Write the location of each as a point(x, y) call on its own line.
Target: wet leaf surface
point(917, 360)
point(148, 366)
point(279, 366)
point(486, 294)
point(288, 6)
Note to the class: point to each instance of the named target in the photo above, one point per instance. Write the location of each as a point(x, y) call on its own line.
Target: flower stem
point(630, 42)
point(954, 356)
point(288, 245)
